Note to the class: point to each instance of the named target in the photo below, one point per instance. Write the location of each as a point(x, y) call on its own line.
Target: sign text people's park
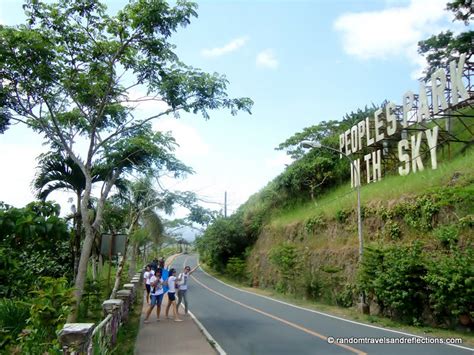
point(447, 89)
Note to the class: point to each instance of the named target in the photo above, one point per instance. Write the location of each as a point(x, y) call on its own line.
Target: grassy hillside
point(392, 187)
point(418, 232)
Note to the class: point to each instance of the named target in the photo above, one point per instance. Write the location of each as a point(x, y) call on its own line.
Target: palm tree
point(57, 171)
point(141, 200)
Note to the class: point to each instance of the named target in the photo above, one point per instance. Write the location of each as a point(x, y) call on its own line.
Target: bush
point(341, 216)
point(236, 268)
point(392, 229)
point(13, 316)
point(447, 235)
point(395, 277)
point(50, 304)
point(285, 258)
point(450, 281)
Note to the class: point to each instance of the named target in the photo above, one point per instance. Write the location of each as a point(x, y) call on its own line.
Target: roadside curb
point(209, 337)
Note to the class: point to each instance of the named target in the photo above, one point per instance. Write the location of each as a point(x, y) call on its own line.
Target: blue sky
point(300, 61)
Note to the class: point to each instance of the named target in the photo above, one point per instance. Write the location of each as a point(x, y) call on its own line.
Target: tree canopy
point(74, 73)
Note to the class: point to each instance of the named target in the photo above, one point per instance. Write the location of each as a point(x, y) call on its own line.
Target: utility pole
point(225, 204)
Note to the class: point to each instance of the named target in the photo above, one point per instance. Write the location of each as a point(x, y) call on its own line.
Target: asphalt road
point(244, 323)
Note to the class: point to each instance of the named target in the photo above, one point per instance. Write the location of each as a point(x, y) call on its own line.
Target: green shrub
point(284, 257)
point(341, 216)
point(13, 316)
point(314, 222)
point(236, 268)
point(392, 229)
point(447, 235)
point(450, 282)
point(395, 277)
point(345, 297)
point(50, 304)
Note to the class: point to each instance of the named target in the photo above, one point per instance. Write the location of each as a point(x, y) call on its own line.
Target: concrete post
point(76, 337)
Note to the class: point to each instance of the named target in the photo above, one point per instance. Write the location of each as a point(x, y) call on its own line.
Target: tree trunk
point(85, 252)
point(77, 235)
point(94, 268)
point(120, 267)
point(133, 261)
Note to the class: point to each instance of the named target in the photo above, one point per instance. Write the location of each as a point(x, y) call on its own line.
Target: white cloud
point(145, 105)
point(267, 59)
point(391, 32)
point(278, 160)
point(190, 142)
point(232, 46)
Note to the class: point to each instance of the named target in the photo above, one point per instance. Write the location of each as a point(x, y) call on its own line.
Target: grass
point(388, 189)
point(347, 313)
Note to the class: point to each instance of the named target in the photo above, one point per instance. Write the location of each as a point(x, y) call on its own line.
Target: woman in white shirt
point(171, 281)
point(147, 276)
point(156, 285)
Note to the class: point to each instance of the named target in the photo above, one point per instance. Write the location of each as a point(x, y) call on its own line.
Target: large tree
point(446, 46)
point(68, 72)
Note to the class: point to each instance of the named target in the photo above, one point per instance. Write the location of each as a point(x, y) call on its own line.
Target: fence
point(87, 338)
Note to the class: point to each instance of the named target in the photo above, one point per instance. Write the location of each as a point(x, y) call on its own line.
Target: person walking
point(171, 282)
point(147, 276)
point(183, 287)
point(156, 285)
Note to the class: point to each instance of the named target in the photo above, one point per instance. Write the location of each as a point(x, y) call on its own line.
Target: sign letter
point(403, 157)
point(432, 138)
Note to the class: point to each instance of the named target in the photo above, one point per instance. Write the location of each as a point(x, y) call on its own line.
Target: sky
point(301, 62)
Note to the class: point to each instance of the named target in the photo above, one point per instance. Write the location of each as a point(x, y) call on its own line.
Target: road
point(245, 323)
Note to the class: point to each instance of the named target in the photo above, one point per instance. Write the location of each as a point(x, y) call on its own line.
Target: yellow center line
point(284, 321)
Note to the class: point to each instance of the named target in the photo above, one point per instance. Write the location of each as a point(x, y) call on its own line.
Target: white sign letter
point(458, 90)
point(355, 173)
point(361, 128)
point(377, 165)
point(391, 119)
point(432, 138)
point(354, 139)
point(341, 144)
point(423, 107)
point(416, 162)
point(367, 158)
point(370, 141)
point(403, 157)
point(408, 103)
point(378, 124)
point(438, 85)
point(348, 141)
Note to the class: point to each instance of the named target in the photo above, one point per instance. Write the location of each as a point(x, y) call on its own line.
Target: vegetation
point(75, 80)
point(418, 241)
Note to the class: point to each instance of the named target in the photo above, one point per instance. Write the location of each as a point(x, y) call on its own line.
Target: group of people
point(160, 280)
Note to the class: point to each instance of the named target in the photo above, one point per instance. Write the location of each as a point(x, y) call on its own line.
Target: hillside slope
point(419, 220)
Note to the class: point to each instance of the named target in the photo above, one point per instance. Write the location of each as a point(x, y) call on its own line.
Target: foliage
point(236, 268)
point(34, 241)
point(447, 235)
point(440, 49)
point(394, 277)
point(50, 302)
point(314, 223)
point(392, 229)
point(450, 284)
point(74, 80)
point(284, 257)
point(462, 9)
point(223, 239)
point(345, 298)
point(13, 317)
